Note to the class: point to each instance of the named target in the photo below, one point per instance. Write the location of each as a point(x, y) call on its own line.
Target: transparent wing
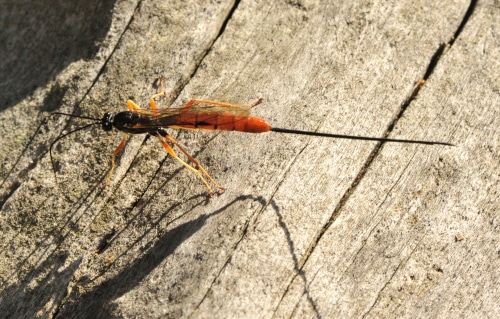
point(197, 108)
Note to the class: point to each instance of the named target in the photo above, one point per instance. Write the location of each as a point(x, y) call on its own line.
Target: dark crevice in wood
point(434, 60)
point(436, 57)
point(117, 44)
point(468, 14)
point(338, 208)
point(228, 18)
point(185, 80)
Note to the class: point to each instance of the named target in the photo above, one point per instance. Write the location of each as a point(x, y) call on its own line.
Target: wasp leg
point(113, 164)
point(192, 159)
point(172, 153)
point(132, 106)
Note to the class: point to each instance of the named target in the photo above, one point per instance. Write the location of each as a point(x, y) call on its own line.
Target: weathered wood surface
point(308, 227)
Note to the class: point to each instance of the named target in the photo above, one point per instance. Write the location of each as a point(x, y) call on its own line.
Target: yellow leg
point(172, 153)
point(116, 152)
point(192, 159)
point(132, 106)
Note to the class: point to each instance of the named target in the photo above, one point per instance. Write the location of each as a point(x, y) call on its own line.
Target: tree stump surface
point(308, 227)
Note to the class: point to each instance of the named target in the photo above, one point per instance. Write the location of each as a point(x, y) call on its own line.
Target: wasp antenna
point(77, 116)
point(355, 137)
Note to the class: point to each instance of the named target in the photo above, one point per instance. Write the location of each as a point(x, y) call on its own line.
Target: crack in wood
point(337, 210)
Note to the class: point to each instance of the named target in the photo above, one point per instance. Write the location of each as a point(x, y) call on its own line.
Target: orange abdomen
point(223, 122)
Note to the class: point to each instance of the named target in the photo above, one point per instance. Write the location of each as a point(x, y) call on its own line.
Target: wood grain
point(308, 227)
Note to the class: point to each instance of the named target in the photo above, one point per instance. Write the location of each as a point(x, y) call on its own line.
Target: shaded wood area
point(307, 227)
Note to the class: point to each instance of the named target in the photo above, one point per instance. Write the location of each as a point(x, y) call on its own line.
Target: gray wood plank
point(308, 227)
point(424, 235)
point(48, 228)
